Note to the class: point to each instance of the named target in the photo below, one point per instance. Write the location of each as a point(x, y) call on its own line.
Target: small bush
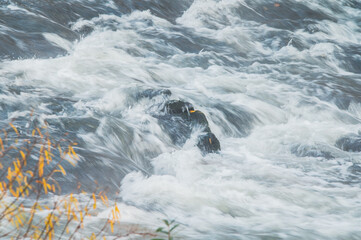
point(31, 204)
point(170, 227)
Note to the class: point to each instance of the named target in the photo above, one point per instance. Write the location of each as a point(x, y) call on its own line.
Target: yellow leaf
point(112, 226)
point(73, 152)
point(45, 186)
point(41, 135)
point(95, 202)
point(117, 209)
point(31, 219)
point(10, 173)
point(41, 165)
point(93, 237)
point(15, 194)
point(16, 169)
point(74, 215)
point(41, 169)
point(30, 173)
point(69, 153)
point(51, 221)
point(47, 157)
point(17, 133)
point(62, 169)
point(102, 198)
point(22, 155)
point(19, 220)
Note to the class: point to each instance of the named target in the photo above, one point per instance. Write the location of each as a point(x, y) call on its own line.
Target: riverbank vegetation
point(31, 203)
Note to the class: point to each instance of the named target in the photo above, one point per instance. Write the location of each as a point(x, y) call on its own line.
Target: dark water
point(279, 82)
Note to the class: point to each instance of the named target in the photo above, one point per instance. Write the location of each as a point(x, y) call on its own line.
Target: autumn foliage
point(31, 203)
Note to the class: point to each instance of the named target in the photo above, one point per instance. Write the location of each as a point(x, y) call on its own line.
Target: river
point(279, 82)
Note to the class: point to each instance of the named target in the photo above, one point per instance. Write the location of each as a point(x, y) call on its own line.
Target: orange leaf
point(95, 202)
point(2, 145)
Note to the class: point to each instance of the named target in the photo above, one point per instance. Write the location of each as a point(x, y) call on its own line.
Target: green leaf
point(174, 227)
point(157, 239)
point(166, 222)
point(159, 229)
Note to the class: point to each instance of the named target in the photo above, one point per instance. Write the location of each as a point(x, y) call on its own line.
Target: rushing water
point(279, 82)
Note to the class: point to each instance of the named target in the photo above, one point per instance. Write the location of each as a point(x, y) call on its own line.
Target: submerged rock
point(151, 93)
point(350, 143)
point(311, 151)
point(355, 169)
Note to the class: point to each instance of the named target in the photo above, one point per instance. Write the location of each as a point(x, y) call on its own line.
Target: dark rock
point(178, 107)
point(208, 143)
point(198, 118)
point(181, 119)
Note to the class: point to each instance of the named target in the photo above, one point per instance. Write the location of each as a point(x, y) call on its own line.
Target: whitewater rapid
point(279, 82)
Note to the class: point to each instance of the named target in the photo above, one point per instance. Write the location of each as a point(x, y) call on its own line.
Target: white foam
point(58, 41)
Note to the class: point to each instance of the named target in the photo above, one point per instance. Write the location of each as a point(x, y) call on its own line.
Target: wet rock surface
point(209, 143)
point(310, 151)
point(184, 111)
point(150, 93)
